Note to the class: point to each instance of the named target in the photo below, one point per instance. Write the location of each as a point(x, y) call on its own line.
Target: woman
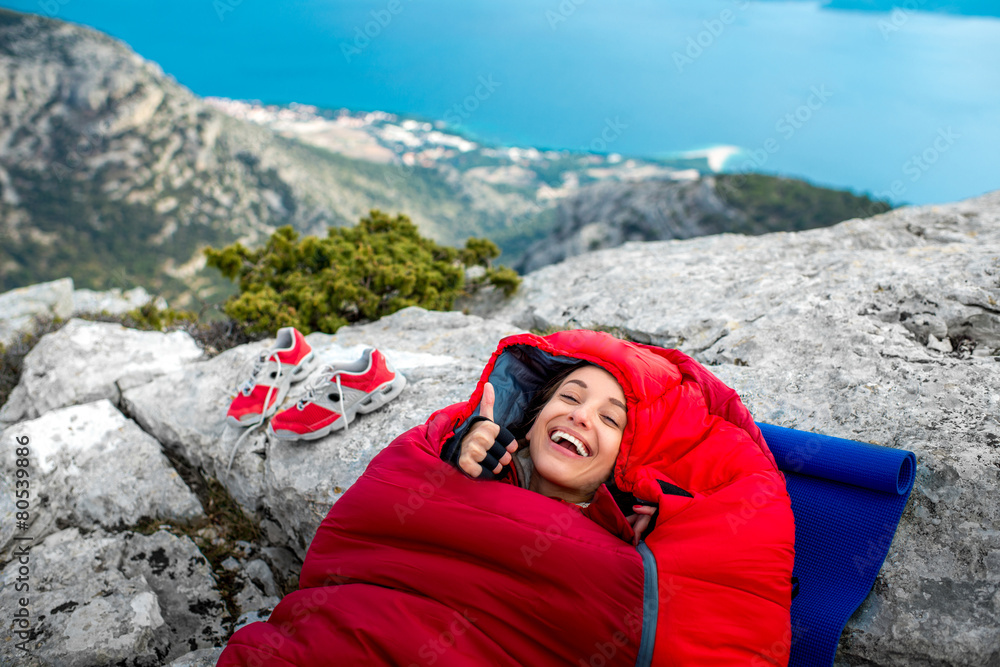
point(417, 564)
point(574, 435)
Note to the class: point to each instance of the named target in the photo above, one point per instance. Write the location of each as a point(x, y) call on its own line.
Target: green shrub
point(504, 278)
point(152, 318)
point(355, 274)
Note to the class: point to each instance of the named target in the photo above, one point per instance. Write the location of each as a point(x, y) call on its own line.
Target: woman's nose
point(582, 415)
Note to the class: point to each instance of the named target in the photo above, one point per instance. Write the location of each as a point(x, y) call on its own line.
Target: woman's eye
point(611, 421)
point(569, 397)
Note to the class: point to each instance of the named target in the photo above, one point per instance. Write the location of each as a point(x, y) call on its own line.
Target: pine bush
point(355, 274)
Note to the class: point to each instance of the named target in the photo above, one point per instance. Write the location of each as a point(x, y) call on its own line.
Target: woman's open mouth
point(570, 443)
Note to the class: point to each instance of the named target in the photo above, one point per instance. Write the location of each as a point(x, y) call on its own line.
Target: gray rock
point(251, 599)
point(285, 566)
point(819, 331)
point(184, 585)
point(252, 617)
point(8, 510)
point(260, 574)
point(103, 599)
point(940, 345)
point(191, 423)
point(83, 610)
point(86, 361)
point(291, 486)
point(90, 466)
point(113, 301)
point(258, 593)
point(422, 337)
point(205, 657)
point(924, 325)
point(243, 549)
point(19, 307)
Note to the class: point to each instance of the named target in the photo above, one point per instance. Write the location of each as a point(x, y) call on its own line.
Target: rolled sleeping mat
point(847, 498)
point(848, 461)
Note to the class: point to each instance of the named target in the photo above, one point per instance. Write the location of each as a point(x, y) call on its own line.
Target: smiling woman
point(553, 562)
point(575, 433)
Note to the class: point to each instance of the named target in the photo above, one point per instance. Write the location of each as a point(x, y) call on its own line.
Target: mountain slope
point(113, 173)
point(606, 215)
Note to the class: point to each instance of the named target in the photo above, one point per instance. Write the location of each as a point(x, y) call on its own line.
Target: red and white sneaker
point(288, 361)
point(343, 391)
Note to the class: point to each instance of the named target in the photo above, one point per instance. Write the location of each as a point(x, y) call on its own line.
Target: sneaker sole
point(370, 403)
point(382, 395)
point(298, 375)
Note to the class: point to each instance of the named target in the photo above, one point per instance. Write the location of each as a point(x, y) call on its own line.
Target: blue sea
point(898, 99)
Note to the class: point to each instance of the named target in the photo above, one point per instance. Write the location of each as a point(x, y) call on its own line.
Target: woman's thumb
point(486, 404)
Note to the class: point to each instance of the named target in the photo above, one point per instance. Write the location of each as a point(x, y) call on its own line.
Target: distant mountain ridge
point(609, 214)
point(959, 7)
point(115, 175)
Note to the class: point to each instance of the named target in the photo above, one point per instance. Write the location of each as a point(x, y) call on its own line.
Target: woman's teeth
point(566, 437)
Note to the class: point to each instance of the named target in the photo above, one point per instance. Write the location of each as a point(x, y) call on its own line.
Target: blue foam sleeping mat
point(847, 498)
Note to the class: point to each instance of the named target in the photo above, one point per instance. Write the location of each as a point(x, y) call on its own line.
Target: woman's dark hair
point(540, 397)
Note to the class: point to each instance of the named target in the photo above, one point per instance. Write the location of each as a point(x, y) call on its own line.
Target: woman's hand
point(481, 437)
point(640, 520)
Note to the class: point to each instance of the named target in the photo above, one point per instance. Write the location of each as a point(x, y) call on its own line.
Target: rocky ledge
point(884, 330)
point(19, 308)
point(123, 431)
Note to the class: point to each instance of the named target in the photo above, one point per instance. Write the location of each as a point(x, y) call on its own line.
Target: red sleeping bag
point(417, 564)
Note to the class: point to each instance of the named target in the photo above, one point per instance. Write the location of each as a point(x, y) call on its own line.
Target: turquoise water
point(901, 102)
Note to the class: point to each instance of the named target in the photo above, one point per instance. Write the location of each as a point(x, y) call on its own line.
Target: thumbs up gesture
point(480, 449)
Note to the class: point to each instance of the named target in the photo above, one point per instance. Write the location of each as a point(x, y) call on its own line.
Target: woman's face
point(575, 439)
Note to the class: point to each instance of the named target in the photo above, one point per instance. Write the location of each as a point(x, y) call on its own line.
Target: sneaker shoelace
point(246, 388)
point(258, 366)
point(315, 389)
